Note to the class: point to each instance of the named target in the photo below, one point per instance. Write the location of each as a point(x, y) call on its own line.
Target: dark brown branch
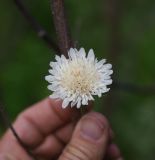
point(60, 22)
point(113, 21)
point(36, 26)
point(8, 124)
point(113, 17)
point(134, 88)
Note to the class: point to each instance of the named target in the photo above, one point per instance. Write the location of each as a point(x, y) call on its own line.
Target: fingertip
point(94, 125)
point(66, 114)
point(114, 151)
point(111, 134)
point(90, 138)
point(98, 116)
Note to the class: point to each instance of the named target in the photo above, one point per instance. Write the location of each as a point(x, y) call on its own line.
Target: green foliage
point(24, 60)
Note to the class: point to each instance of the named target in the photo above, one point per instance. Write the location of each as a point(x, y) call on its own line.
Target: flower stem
point(61, 26)
point(83, 110)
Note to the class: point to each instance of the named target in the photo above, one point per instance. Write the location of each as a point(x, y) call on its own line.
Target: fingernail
point(92, 129)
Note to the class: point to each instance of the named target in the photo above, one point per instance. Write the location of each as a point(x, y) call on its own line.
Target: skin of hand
point(53, 133)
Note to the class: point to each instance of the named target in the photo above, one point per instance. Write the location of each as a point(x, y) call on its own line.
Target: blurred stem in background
point(41, 32)
point(113, 15)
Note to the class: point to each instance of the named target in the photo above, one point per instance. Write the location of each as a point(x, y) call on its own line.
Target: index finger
point(42, 119)
point(48, 115)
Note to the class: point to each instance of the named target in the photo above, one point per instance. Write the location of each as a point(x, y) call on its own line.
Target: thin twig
point(113, 15)
point(113, 21)
point(36, 26)
point(134, 88)
point(8, 124)
point(61, 26)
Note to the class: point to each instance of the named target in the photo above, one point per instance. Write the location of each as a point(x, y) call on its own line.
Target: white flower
point(77, 79)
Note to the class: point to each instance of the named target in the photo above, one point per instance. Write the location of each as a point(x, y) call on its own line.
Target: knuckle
point(20, 117)
point(77, 152)
point(21, 124)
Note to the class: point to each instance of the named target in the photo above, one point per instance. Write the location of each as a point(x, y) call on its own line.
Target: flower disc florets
point(75, 80)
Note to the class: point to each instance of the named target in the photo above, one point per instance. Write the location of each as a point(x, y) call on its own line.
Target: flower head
point(77, 79)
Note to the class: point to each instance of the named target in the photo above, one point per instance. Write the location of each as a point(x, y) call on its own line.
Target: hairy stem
point(59, 17)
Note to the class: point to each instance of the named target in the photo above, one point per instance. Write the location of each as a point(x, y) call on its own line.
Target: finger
point(7, 157)
point(113, 152)
point(50, 148)
point(111, 134)
point(89, 140)
point(42, 119)
point(64, 134)
point(54, 144)
point(35, 124)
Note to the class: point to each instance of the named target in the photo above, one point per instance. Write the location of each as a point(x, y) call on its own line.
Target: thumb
point(89, 140)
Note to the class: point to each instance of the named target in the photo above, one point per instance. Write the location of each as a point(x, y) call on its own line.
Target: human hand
point(49, 131)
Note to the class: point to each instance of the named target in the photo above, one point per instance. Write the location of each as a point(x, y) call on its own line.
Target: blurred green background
point(121, 31)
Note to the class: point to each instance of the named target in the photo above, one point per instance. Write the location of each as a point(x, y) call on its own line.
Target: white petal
point(90, 97)
point(53, 87)
point(84, 100)
point(58, 68)
point(110, 72)
point(91, 56)
point(63, 57)
point(107, 77)
point(104, 90)
point(76, 51)
point(99, 94)
point(100, 63)
point(65, 103)
point(72, 56)
point(50, 78)
point(78, 104)
point(71, 53)
point(108, 82)
point(94, 92)
point(58, 58)
point(107, 72)
point(82, 52)
point(53, 64)
point(54, 96)
point(73, 103)
point(61, 91)
point(107, 66)
point(51, 71)
point(72, 98)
